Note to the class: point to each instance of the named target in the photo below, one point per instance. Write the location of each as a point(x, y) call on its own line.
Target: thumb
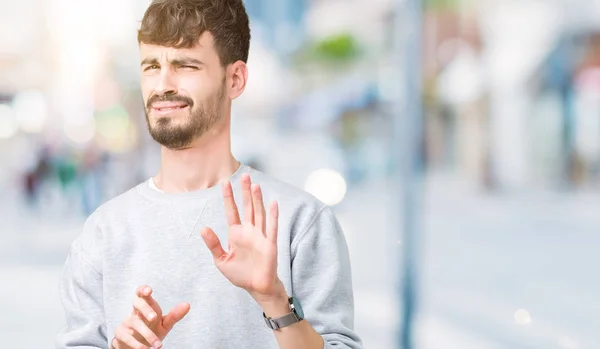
point(212, 242)
point(175, 315)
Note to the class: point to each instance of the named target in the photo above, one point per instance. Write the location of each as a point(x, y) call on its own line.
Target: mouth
point(166, 108)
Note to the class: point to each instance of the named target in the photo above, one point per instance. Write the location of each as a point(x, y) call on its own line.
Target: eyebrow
point(176, 61)
point(149, 61)
point(185, 61)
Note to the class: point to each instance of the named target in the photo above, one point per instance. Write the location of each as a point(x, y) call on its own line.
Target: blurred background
point(506, 209)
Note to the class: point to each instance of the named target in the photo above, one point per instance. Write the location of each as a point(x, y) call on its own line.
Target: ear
point(237, 76)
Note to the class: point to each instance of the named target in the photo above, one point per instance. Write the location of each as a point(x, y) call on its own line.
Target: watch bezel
point(296, 308)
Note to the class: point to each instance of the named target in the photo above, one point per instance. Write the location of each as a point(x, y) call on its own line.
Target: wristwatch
point(296, 315)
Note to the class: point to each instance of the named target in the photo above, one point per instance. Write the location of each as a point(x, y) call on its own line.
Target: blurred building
point(278, 23)
point(508, 85)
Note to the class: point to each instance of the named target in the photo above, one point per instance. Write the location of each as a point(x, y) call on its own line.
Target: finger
point(233, 216)
point(145, 292)
point(114, 343)
point(124, 339)
point(145, 332)
point(212, 242)
point(247, 197)
point(175, 315)
point(273, 222)
point(259, 209)
point(144, 309)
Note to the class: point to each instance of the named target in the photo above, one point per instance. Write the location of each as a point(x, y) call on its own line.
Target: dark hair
point(179, 23)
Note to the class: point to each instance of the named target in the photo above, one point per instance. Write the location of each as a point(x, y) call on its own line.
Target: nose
point(166, 85)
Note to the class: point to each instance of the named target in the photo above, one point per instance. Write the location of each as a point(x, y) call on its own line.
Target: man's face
point(183, 90)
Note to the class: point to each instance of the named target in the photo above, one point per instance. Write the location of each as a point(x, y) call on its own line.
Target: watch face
point(298, 308)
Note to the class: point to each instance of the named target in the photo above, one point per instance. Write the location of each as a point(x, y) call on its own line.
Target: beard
point(172, 134)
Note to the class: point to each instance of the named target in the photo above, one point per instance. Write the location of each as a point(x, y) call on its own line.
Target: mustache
point(169, 98)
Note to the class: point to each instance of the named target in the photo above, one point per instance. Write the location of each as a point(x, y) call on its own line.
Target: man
point(149, 269)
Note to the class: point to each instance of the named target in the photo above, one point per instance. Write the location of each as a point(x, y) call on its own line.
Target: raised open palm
point(251, 259)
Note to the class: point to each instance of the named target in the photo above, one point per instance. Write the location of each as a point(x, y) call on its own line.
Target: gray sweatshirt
point(146, 237)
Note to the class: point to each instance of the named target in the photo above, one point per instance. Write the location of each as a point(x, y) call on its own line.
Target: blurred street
point(517, 270)
point(470, 293)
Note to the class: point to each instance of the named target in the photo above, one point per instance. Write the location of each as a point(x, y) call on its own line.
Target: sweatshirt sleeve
point(80, 291)
point(322, 281)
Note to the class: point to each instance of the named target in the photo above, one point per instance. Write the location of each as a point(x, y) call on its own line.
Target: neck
point(201, 165)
